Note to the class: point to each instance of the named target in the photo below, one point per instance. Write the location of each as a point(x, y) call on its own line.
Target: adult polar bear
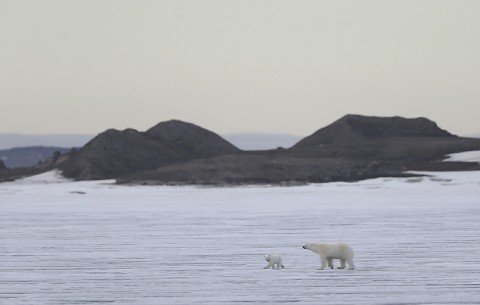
point(329, 252)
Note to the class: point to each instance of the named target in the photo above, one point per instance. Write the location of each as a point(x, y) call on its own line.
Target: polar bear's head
point(307, 246)
point(267, 257)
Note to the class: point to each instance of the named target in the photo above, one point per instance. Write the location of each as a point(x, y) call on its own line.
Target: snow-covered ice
point(468, 156)
point(417, 241)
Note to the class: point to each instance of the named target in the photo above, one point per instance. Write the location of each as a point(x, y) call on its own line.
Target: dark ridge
point(395, 127)
point(356, 128)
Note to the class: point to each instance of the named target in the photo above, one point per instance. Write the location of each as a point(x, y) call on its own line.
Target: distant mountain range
point(175, 152)
point(29, 156)
point(15, 140)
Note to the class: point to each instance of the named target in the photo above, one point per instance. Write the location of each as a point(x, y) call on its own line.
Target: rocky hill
point(353, 129)
point(382, 138)
point(114, 153)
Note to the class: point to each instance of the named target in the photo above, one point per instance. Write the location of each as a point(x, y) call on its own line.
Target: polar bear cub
point(274, 261)
point(329, 252)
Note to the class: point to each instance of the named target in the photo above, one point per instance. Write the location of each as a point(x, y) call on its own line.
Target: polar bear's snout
point(304, 246)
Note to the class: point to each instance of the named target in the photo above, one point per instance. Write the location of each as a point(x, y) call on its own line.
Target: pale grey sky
point(236, 66)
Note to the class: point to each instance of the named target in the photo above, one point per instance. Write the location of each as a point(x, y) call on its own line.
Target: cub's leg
point(269, 265)
point(342, 263)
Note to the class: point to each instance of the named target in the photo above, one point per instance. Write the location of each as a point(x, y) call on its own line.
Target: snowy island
point(177, 153)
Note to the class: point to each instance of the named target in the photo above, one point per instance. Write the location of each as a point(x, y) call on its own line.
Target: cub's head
point(307, 246)
point(267, 257)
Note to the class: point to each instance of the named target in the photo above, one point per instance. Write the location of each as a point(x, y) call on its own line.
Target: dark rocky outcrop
point(114, 153)
point(353, 129)
point(382, 138)
point(261, 169)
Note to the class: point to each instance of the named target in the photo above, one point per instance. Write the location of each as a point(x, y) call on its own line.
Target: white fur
point(274, 261)
point(329, 252)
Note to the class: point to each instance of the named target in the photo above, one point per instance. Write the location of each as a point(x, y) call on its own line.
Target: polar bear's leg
point(330, 262)
point(323, 262)
point(350, 263)
point(342, 263)
point(269, 265)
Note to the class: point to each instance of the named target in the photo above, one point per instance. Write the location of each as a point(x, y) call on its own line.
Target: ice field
point(417, 241)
